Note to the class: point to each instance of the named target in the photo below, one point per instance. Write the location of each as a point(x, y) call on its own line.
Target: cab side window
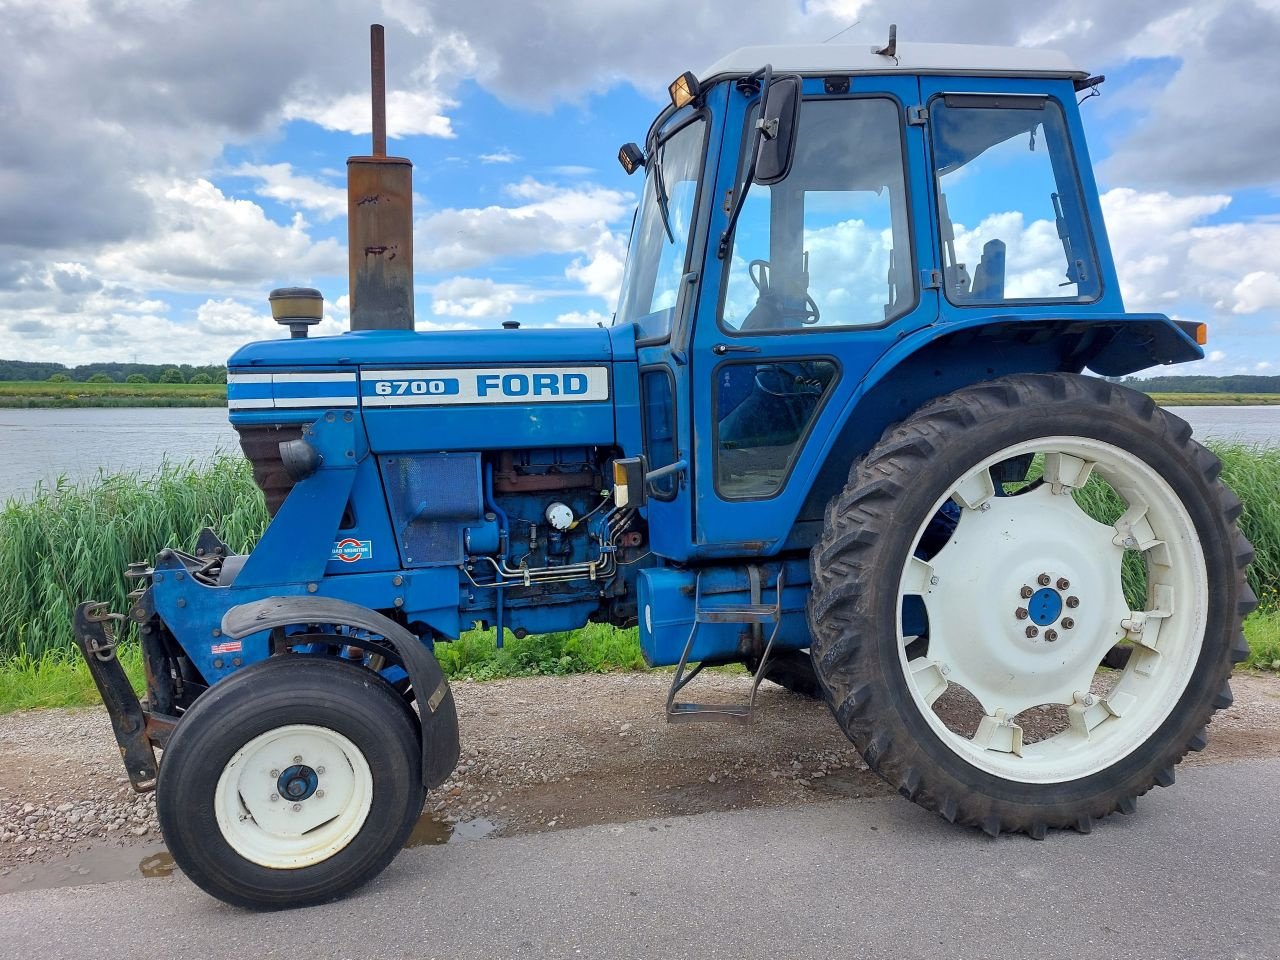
point(1013, 226)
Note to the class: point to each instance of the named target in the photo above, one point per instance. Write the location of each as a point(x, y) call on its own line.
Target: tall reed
point(72, 542)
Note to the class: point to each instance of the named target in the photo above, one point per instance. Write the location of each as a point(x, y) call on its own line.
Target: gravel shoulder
point(538, 754)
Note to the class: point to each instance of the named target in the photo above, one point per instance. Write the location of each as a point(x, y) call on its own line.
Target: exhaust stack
point(380, 220)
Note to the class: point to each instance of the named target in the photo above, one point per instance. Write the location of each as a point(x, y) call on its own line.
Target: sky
point(164, 164)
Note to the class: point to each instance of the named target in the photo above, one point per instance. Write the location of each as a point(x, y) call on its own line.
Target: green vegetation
point(1216, 399)
point(172, 375)
point(11, 370)
point(1243, 384)
point(137, 378)
point(67, 393)
point(100, 378)
point(72, 542)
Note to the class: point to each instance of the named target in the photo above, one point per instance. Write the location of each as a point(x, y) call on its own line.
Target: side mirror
point(777, 123)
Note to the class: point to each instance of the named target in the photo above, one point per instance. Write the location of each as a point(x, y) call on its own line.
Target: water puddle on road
point(107, 863)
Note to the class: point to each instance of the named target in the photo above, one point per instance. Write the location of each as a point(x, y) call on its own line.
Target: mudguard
point(439, 716)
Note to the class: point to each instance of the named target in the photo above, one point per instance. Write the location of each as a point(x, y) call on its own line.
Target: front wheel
point(291, 783)
point(982, 562)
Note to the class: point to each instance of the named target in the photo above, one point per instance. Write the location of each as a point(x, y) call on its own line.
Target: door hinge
point(917, 116)
point(931, 279)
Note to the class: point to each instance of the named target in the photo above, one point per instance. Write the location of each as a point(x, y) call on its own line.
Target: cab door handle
point(720, 349)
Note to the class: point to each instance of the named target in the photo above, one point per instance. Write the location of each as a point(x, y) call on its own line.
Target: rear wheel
point(291, 783)
point(978, 569)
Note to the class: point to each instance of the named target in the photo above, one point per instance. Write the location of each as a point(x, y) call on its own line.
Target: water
point(37, 446)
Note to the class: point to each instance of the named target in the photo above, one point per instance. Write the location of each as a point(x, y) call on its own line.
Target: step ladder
point(757, 613)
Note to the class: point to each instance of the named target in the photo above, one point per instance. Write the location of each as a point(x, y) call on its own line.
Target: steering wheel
point(808, 314)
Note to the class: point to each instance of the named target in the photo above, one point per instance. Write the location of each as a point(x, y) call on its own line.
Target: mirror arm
point(740, 190)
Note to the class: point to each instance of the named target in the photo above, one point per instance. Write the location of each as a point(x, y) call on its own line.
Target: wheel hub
point(298, 783)
point(1045, 606)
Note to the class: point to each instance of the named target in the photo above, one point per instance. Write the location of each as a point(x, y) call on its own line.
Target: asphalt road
point(1194, 873)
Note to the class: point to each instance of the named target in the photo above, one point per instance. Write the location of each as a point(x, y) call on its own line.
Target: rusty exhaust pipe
point(380, 219)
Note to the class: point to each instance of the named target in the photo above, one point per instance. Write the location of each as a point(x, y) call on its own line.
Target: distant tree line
point(1236, 384)
point(112, 372)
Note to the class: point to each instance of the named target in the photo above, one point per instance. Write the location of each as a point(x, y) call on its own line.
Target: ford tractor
point(854, 425)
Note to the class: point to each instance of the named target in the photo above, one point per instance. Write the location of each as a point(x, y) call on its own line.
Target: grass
point(72, 541)
point(43, 393)
point(1216, 399)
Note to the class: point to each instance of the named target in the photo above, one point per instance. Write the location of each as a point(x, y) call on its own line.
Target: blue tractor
point(850, 427)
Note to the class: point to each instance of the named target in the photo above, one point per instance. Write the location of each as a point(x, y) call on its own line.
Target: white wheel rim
point(973, 590)
point(267, 825)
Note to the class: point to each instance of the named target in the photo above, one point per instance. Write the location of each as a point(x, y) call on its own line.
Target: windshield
point(656, 258)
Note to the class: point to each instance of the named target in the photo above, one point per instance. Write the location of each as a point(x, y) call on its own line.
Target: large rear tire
point(961, 554)
point(291, 783)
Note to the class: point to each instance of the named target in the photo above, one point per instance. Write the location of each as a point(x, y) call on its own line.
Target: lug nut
point(319, 794)
point(297, 759)
point(1067, 623)
point(275, 773)
point(1032, 631)
point(1021, 613)
point(1073, 602)
point(1026, 592)
point(297, 807)
point(319, 770)
point(1051, 635)
point(1043, 579)
point(1063, 583)
point(275, 797)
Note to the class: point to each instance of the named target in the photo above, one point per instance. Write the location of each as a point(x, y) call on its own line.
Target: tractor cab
point(811, 218)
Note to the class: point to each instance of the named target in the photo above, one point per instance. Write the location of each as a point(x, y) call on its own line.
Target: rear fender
point(937, 360)
point(439, 715)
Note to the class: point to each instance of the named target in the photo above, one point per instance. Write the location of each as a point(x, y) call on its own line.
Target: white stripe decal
point(314, 377)
point(255, 404)
point(248, 378)
point(286, 402)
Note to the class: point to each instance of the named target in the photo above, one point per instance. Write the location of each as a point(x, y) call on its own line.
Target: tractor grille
point(261, 445)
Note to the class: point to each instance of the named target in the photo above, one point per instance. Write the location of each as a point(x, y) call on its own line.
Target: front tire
point(290, 783)
point(961, 555)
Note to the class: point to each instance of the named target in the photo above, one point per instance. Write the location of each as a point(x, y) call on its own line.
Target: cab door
point(824, 273)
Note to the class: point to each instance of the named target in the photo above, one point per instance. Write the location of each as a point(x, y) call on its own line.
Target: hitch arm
point(97, 642)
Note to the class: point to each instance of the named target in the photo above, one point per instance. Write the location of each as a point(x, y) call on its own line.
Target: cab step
point(755, 613)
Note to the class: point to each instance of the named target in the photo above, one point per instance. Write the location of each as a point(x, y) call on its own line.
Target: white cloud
point(579, 318)
point(478, 298)
point(408, 112)
point(499, 156)
point(551, 220)
point(1216, 356)
point(204, 240)
point(599, 270)
point(278, 181)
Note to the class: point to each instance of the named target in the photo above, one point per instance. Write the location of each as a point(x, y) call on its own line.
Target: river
point(39, 446)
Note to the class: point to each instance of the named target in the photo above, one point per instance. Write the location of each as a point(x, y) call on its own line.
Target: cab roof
point(913, 58)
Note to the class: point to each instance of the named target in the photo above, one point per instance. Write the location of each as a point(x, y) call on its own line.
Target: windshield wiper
point(660, 193)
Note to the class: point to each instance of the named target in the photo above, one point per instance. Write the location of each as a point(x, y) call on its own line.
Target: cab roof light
point(1202, 334)
point(684, 89)
point(631, 157)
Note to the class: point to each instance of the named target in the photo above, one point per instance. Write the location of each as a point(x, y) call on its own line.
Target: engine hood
point(380, 347)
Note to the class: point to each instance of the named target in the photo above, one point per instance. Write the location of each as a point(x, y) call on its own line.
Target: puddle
point(108, 864)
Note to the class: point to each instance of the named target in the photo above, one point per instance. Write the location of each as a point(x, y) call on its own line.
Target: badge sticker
point(350, 550)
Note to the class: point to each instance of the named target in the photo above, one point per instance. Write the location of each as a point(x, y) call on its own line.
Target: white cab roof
point(827, 59)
